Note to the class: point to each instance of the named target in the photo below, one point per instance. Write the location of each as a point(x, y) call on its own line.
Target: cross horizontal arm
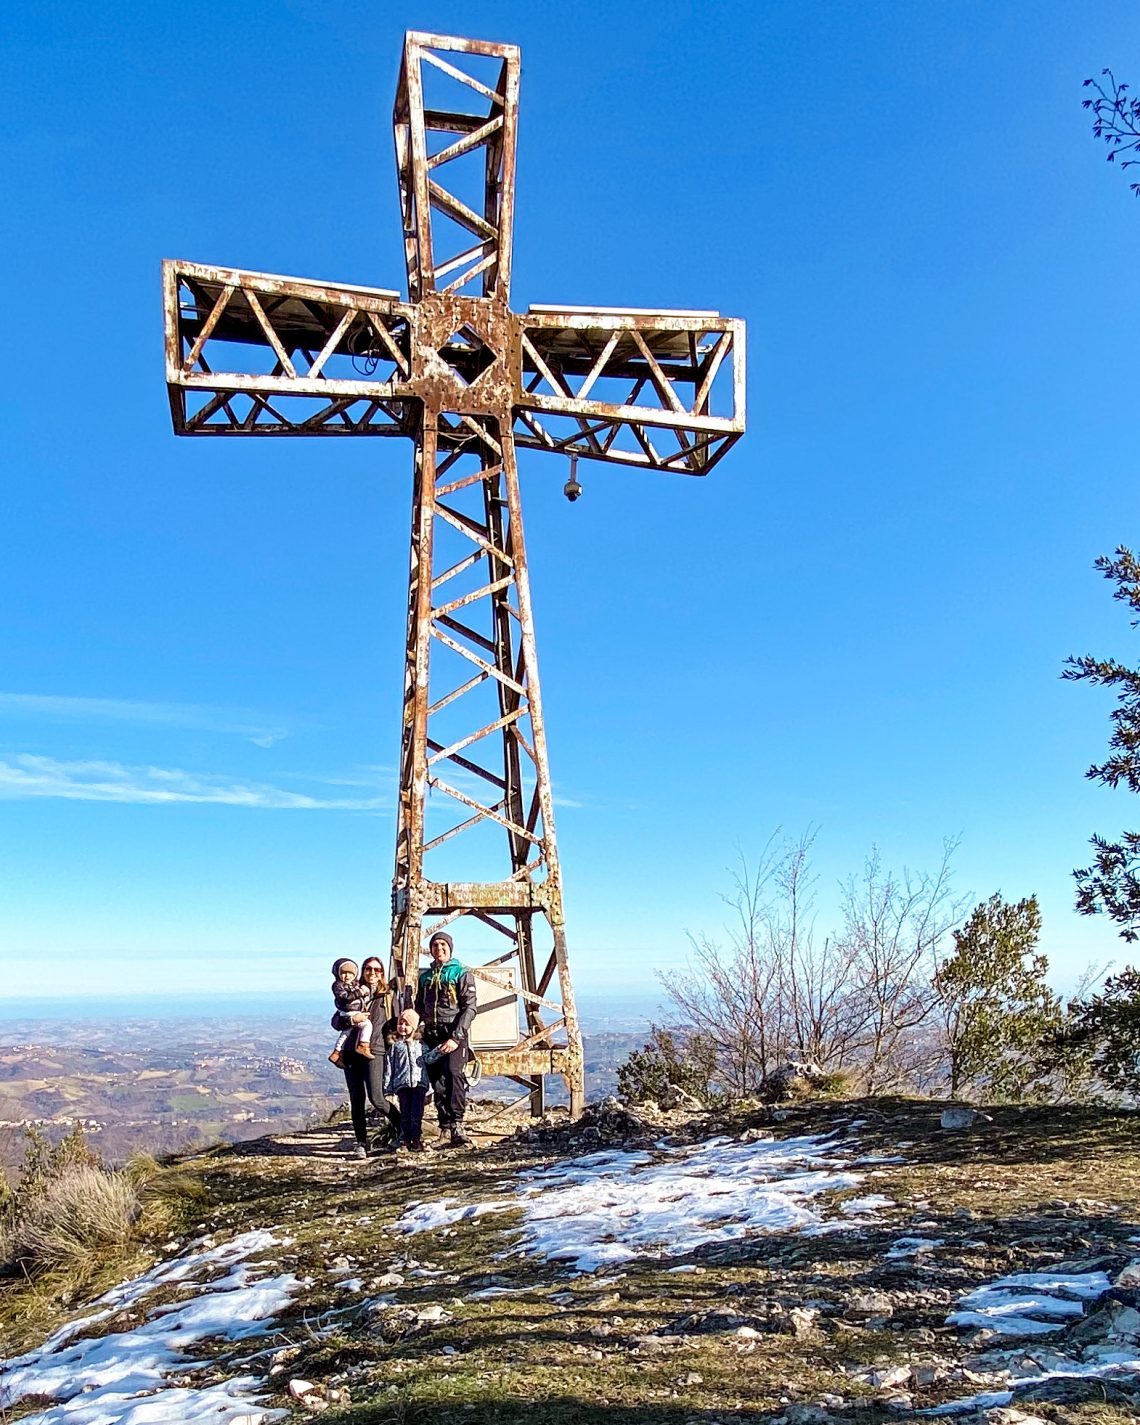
point(250, 353)
point(660, 390)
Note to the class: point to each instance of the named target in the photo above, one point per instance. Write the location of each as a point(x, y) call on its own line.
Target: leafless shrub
point(893, 926)
point(855, 1003)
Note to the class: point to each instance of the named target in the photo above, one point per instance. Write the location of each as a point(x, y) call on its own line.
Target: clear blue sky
point(856, 623)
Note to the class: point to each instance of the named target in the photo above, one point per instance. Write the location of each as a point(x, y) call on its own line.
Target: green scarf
point(439, 975)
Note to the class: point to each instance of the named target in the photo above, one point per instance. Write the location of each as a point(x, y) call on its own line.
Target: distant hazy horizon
point(624, 1010)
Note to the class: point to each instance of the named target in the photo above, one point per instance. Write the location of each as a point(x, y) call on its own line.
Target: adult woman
point(364, 1078)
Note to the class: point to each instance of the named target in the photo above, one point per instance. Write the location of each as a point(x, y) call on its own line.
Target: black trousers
point(364, 1079)
point(448, 1081)
point(411, 1114)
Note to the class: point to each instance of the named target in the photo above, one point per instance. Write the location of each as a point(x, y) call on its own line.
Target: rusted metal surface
point(469, 381)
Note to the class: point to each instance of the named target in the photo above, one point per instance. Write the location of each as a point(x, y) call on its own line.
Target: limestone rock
point(802, 1320)
point(927, 1373)
point(613, 1120)
point(866, 1305)
point(883, 1376)
point(1129, 1276)
point(959, 1117)
point(707, 1322)
point(794, 1075)
point(807, 1415)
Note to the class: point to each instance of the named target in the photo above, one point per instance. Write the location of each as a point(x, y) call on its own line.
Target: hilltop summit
point(820, 1264)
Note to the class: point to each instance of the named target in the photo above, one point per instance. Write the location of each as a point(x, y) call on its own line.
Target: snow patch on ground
point(1034, 1303)
point(1069, 1370)
point(428, 1216)
point(609, 1207)
point(904, 1247)
point(865, 1206)
point(1029, 1303)
point(119, 1378)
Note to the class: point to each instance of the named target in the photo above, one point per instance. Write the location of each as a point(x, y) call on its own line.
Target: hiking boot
point(417, 1146)
point(334, 1057)
point(364, 1050)
point(458, 1137)
point(360, 1151)
point(444, 1139)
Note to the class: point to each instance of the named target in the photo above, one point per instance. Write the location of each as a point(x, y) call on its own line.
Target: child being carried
point(351, 997)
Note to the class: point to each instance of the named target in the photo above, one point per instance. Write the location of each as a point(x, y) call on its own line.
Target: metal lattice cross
point(469, 381)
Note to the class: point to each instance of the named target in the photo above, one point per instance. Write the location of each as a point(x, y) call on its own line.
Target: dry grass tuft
point(85, 1208)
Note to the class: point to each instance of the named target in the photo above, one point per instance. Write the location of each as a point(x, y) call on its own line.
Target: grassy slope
point(1008, 1197)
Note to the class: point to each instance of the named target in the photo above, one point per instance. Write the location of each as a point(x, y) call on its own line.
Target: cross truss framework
point(469, 382)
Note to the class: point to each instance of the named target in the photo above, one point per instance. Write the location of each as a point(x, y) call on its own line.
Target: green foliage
point(841, 1084)
point(45, 1161)
point(1111, 885)
point(1106, 1029)
point(999, 1013)
point(669, 1061)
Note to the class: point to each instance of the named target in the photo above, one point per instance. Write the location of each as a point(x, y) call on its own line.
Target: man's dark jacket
point(446, 997)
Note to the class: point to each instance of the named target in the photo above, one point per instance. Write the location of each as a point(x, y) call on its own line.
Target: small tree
point(1111, 885)
point(998, 1010)
point(1106, 1028)
point(670, 1060)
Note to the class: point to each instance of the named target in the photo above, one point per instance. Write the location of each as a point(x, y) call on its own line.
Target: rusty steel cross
point(469, 381)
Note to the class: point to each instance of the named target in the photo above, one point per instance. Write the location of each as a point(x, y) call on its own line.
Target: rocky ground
point(820, 1264)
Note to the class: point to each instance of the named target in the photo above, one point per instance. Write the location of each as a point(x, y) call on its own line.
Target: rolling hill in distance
point(200, 1070)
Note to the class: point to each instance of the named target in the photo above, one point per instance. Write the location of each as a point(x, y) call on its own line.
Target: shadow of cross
point(469, 382)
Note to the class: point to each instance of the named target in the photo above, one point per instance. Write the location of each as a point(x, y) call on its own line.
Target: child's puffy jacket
point(406, 1068)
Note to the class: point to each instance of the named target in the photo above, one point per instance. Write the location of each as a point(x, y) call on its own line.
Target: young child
point(350, 997)
point(407, 1078)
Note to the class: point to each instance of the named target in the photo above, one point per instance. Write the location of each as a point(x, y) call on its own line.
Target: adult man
point(445, 1002)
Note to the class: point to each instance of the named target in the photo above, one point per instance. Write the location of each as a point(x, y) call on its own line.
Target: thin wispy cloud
point(26, 776)
point(236, 722)
point(376, 776)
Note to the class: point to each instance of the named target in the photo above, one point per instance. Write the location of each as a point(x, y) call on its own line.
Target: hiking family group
point(404, 1054)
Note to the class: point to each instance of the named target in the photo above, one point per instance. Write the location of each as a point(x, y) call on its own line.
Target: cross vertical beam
point(469, 609)
point(429, 138)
